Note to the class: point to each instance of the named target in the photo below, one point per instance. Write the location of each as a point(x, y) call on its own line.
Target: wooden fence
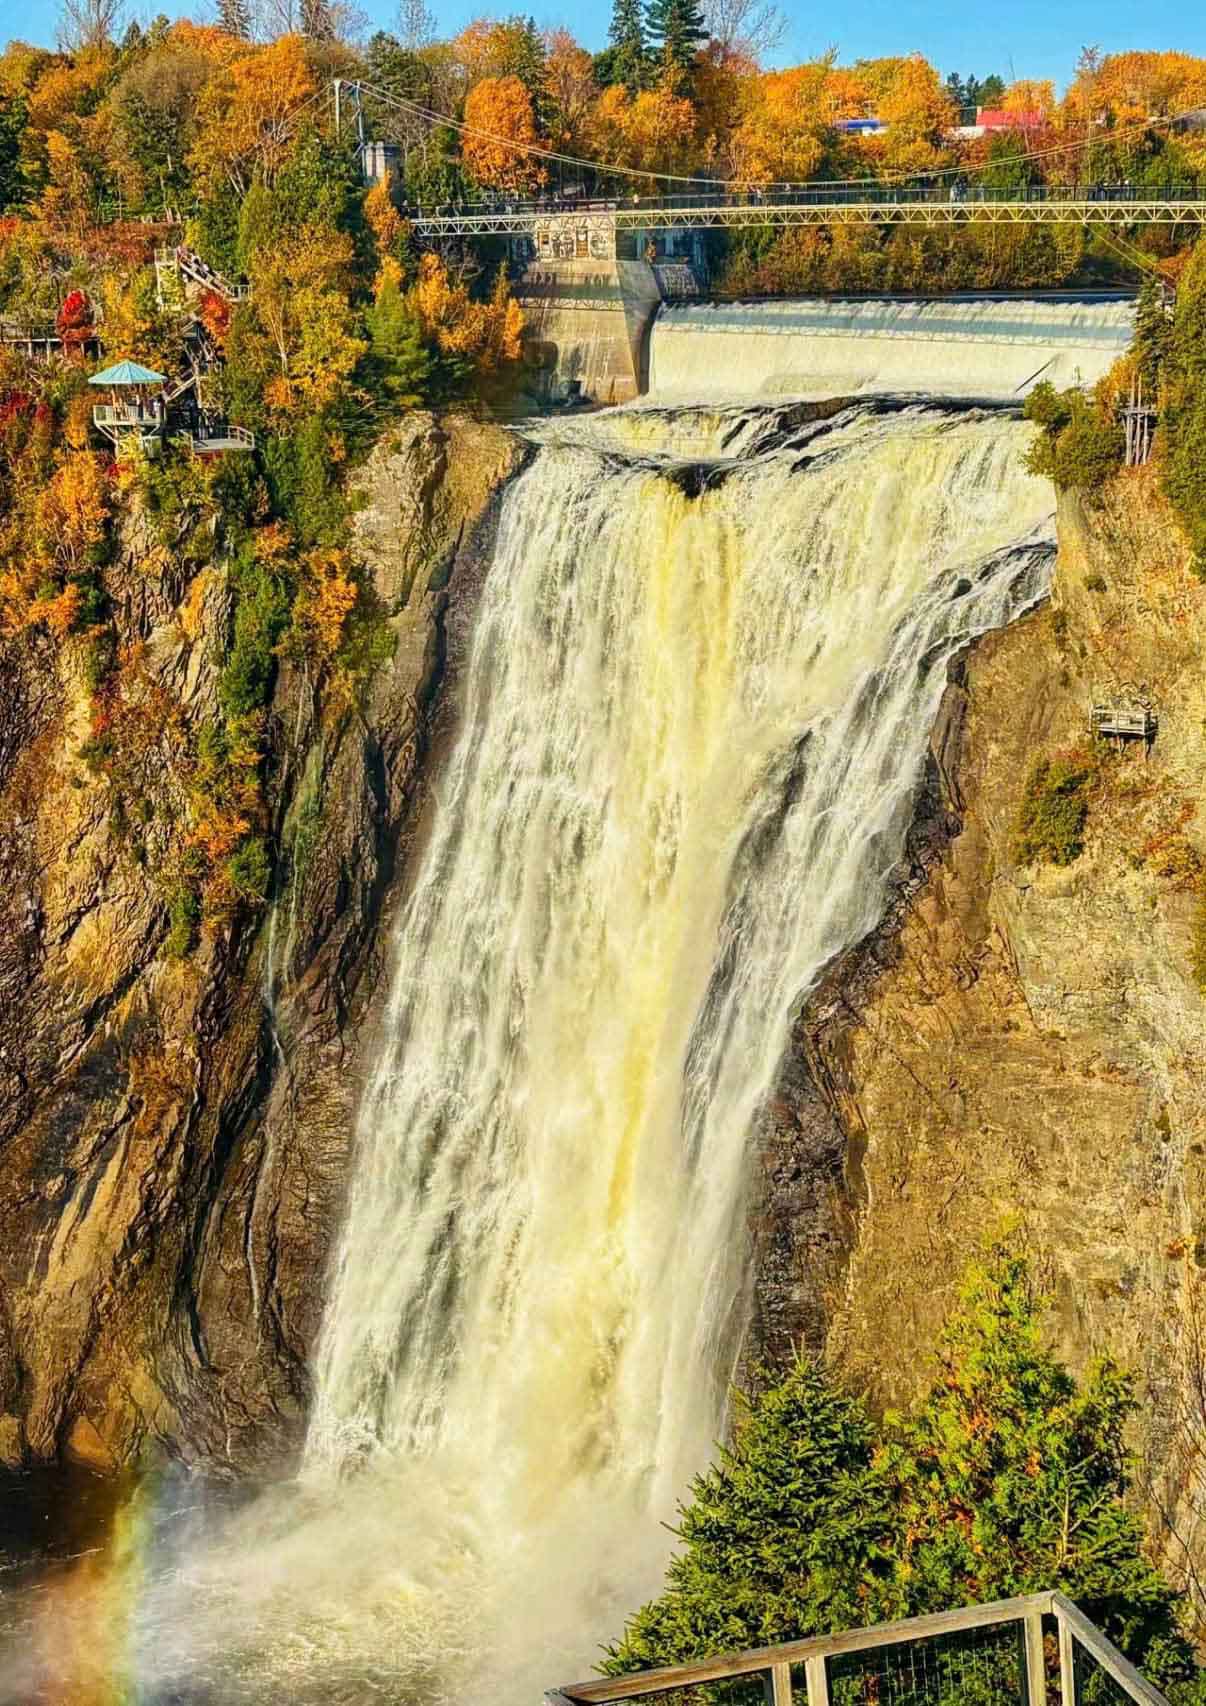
point(1092, 1671)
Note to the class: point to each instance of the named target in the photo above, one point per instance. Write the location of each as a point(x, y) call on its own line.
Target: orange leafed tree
point(1029, 96)
point(485, 333)
point(71, 512)
point(917, 109)
point(247, 115)
point(502, 126)
point(324, 603)
point(788, 118)
point(490, 47)
point(570, 85)
point(384, 220)
point(653, 133)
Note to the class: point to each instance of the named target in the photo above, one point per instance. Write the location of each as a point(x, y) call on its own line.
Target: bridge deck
point(903, 207)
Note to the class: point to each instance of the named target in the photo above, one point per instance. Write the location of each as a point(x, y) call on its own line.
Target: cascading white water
point(975, 346)
point(695, 715)
point(692, 730)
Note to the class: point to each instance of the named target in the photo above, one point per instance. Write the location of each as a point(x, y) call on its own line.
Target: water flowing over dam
point(977, 347)
point(708, 655)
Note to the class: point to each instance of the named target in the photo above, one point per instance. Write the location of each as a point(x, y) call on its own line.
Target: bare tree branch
point(87, 23)
point(752, 28)
point(416, 24)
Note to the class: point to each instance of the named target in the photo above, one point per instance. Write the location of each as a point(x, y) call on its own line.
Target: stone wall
point(587, 326)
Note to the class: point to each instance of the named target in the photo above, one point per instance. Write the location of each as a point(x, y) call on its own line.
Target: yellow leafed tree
point(655, 132)
point(501, 129)
point(246, 115)
point(484, 333)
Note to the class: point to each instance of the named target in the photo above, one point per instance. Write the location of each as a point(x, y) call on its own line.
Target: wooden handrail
point(1105, 1652)
point(774, 1664)
point(599, 1691)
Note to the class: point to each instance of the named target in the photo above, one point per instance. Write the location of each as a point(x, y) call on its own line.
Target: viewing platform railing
point(980, 1653)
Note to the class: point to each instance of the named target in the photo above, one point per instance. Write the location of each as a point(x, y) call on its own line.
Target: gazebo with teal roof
point(135, 407)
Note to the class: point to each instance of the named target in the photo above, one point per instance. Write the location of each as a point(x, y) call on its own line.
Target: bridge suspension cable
point(416, 109)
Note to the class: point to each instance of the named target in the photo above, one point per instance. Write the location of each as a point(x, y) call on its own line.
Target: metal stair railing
point(920, 1661)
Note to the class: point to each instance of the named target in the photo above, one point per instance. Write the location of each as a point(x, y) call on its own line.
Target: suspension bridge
point(856, 205)
point(599, 248)
point(612, 201)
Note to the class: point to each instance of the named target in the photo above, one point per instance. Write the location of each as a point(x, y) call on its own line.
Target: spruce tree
point(1153, 335)
point(676, 32)
point(629, 56)
point(1183, 407)
point(12, 127)
point(1011, 1477)
point(401, 364)
point(787, 1535)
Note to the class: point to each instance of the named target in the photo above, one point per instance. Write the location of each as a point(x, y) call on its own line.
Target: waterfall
point(693, 721)
point(695, 716)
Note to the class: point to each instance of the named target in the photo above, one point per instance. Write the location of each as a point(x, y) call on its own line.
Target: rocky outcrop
point(1026, 1044)
point(173, 1133)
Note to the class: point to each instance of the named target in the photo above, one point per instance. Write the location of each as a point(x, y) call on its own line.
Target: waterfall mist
point(694, 720)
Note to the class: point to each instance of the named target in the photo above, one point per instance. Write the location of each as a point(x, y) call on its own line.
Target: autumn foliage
point(501, 125)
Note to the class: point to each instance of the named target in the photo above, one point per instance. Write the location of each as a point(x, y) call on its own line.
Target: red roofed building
point(996, 118)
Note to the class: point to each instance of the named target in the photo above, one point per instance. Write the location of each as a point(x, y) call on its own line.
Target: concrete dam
point(602, 332)
point(975, 347)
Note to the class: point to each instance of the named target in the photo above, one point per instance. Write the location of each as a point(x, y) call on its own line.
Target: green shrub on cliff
point(1080, 445)
point(788, 1533)
point(1050, 824)
point(1009, 1477)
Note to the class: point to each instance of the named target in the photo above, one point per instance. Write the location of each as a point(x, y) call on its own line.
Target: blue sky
point(1033, 38)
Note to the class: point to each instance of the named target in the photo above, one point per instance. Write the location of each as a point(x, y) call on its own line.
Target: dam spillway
point(990, 348)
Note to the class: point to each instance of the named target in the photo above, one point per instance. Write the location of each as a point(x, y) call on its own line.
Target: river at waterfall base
point(708, 654)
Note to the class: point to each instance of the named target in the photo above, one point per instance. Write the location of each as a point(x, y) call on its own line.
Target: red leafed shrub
point(75, 320)
point(213, 311)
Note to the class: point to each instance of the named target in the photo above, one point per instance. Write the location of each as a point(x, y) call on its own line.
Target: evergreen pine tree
point(785, 1536)
point(676, 31)
point(1153, 335)
point(1012, 1477)
point(1183, 407)
point(401, 363)
point(629, 57)
point(12, 126)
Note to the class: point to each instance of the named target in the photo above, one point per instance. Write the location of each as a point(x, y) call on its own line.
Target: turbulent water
point(694, 719)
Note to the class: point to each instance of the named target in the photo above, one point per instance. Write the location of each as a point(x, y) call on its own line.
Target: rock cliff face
point(1026, 1044)
point(1013, 1043)
point(173, 1134)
